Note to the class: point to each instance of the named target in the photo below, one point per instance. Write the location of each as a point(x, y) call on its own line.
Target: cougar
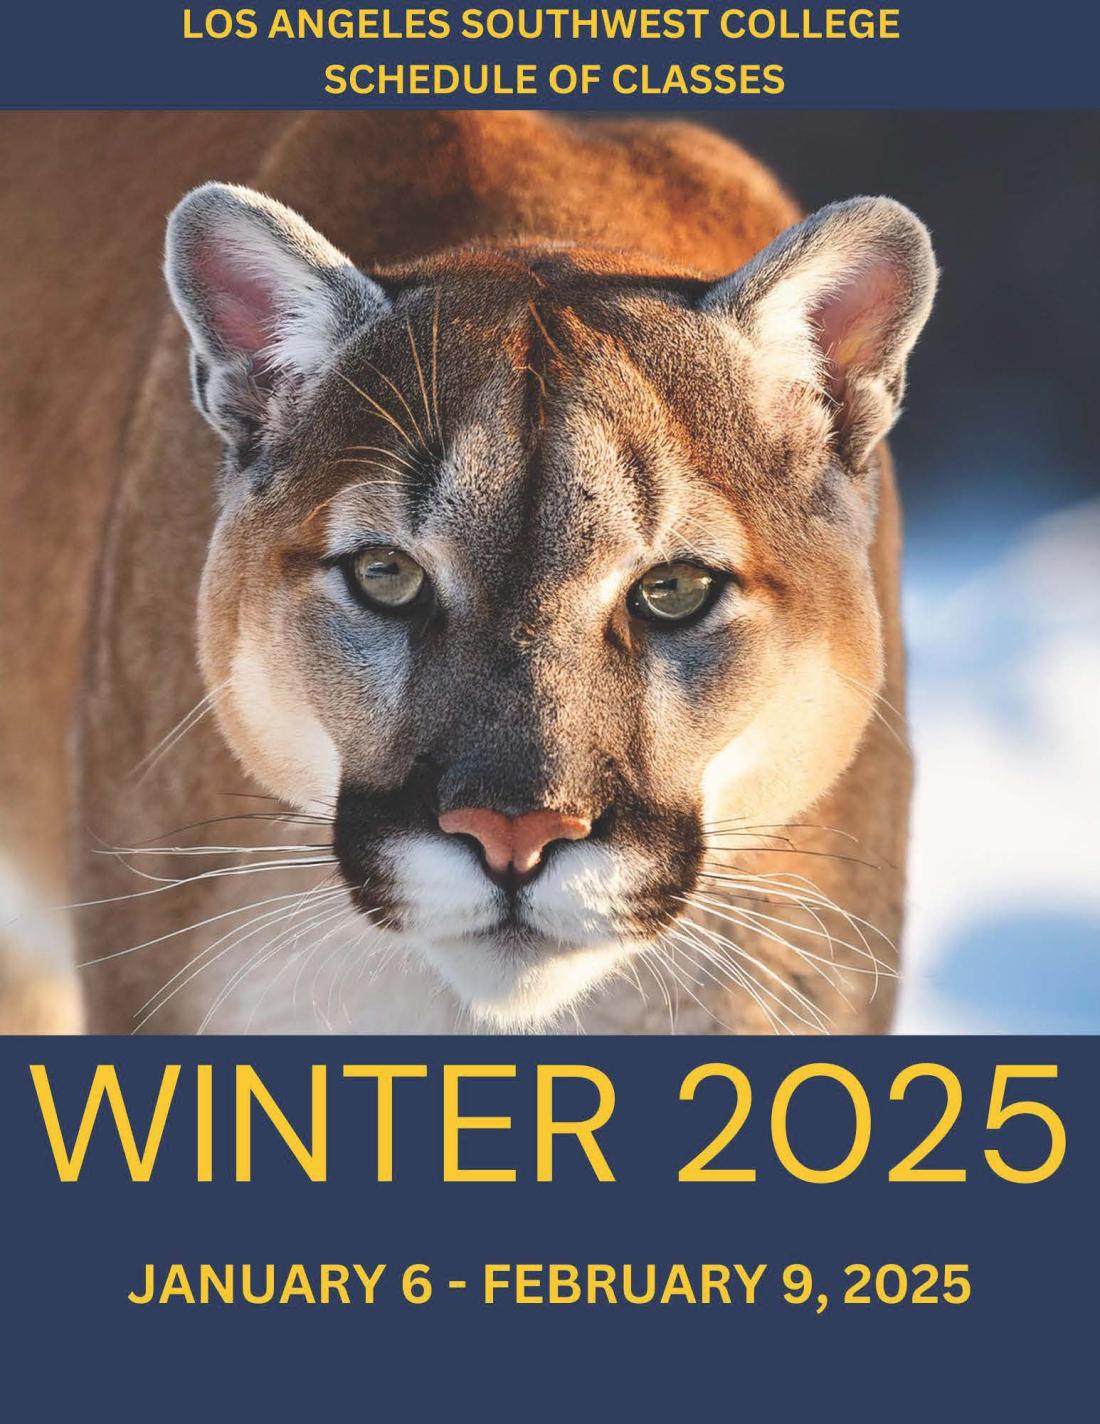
point(471, 602)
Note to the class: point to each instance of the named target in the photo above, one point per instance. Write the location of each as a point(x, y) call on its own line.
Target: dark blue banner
point(917, 54)
point(647, 1228)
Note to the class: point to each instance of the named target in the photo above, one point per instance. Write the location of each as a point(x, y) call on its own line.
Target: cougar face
point(531, 566)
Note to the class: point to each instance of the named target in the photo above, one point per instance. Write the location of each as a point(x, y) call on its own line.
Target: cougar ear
point(838, 303)
point(264, 297)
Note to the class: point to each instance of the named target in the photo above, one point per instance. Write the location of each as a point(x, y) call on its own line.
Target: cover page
point(549, 667)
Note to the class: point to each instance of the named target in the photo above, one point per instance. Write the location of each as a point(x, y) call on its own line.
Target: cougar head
point(531, 564)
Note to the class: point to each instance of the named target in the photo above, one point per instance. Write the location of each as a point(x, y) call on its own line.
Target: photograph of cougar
point(470, 602)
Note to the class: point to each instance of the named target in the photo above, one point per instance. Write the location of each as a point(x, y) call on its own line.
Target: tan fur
point(106, 504)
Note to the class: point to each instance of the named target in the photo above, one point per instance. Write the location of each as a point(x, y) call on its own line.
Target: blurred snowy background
point(998, 456)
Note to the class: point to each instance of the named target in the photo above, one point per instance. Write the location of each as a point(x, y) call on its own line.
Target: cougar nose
point(513, 844)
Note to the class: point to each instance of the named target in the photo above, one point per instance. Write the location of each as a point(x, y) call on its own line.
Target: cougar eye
point(673, 593)
point(387, 579)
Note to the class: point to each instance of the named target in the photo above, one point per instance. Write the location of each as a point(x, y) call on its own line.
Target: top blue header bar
point(914, 54)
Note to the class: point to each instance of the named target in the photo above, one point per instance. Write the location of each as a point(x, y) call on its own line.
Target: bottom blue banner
point(548, 1226)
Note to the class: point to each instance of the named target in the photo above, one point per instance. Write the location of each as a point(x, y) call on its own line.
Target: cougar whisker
point(792, 850)
point(314, 947)
point(225, 872)
point(819, 1020)
point(778, 884)
point(683, 981)
point(242, 933)
point(805, 898)
point(341, 913)
point(661, 986)
point(273, 817)
point(879, 967)
point(806, 909)
point(420, 377)
point(404, 403)
point(380, 410)
point(209, 850)
point(288, 961)
point(435, 367)
point(276, 916)
point(780, 826)
point(382, 450)
point(176, 734)
point(186, 929)
point(871, 698)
